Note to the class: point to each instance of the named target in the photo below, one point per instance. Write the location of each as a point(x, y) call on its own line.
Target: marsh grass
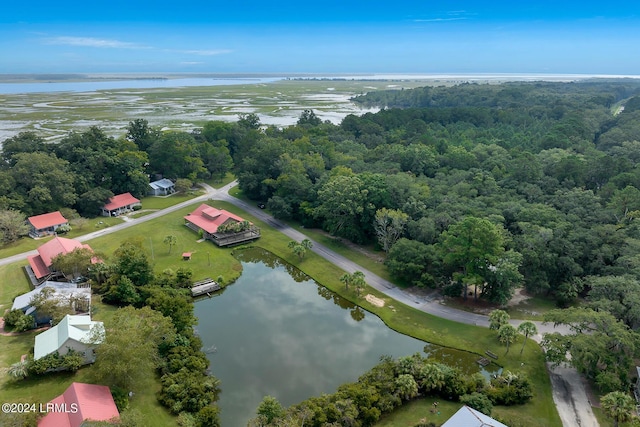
point(53, 115)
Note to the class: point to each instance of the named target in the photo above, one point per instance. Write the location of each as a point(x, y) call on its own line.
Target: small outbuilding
point(46, 224)
point(162, 187)
point(120, 204)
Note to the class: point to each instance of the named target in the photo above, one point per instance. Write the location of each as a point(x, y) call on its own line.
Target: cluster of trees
point(154, 331)
point(600, 346)
point(85, 168)
point(508, 334)
point(387, 386)
point(300, 248)
point(483, 187)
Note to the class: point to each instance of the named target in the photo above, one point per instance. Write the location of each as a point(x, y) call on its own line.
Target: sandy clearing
point(378, 302)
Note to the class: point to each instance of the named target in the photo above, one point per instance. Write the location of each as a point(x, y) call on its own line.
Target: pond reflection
point(273, 335)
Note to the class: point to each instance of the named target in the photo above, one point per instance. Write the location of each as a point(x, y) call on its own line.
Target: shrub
point(121, 398)
point(19, 321)
point(477, 401)
point(509, 389)
point(63, 229)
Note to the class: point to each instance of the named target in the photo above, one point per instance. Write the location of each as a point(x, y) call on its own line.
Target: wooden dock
point(204, 287)
point(483, 361)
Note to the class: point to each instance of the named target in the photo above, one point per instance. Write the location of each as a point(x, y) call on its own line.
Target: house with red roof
point(46, 224)
point(120, 204)
point(80, 402)
point(39, 268)
point(220, 226)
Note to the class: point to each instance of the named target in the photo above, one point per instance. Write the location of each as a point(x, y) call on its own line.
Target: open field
point(54, 115)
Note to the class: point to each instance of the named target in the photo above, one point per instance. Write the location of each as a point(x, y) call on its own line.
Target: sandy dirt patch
point(378, 302)
point(520, 295)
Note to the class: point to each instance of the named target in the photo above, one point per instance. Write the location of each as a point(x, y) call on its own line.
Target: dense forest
point(472, 189)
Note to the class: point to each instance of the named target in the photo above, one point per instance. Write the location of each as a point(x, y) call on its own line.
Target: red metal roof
point(38, 266)
point(209, 219)
point(93, 402)
point(47, 220)
point(58, 245)
point(120, 201)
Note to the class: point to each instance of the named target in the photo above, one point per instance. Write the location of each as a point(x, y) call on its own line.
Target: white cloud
point(91, 42)
point(438, 19)
point(191, 63)
point(451, 15)
point(207, 52)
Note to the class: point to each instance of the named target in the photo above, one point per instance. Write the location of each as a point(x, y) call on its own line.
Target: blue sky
point(320, 37)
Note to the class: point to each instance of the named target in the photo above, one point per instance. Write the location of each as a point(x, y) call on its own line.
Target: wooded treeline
point(85, 168)
point(475, 189)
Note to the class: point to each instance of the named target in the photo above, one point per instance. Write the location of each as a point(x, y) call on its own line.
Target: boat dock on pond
point(204, 287)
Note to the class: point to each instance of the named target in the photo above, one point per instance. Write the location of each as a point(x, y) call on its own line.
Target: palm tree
point(507, 334)
point(358, 281)
point(307, 244)
point(619, 406)
point(346, 279)
point(433, 377)
point(19, 370)
point(497, 318)
point(170, 240)
point(299, 250)
point(527, 329)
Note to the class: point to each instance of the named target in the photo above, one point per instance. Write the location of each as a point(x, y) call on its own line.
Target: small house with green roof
point(74, 332)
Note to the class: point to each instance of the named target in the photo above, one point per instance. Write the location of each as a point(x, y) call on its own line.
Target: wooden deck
point(204, 287)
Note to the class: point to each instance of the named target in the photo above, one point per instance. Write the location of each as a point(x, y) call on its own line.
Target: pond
point(277, 332)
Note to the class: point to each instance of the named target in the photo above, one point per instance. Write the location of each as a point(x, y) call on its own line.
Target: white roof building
point(77, 333)
point(468, 417)
point(61, 290)
point(162, 187)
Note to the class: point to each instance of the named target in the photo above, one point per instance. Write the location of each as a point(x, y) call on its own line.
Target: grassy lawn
point(409, 414)
point(219, 183)
point(531, 309)
point(368, 258)
point(162, 202)
point(210, 261)
point(45, 388)
point(14, 282)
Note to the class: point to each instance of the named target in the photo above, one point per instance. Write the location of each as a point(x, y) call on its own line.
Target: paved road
point(568, 391)
point(210, 191)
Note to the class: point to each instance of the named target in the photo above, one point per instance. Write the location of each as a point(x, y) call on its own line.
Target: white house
point(162, 187)
point(77, 333)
